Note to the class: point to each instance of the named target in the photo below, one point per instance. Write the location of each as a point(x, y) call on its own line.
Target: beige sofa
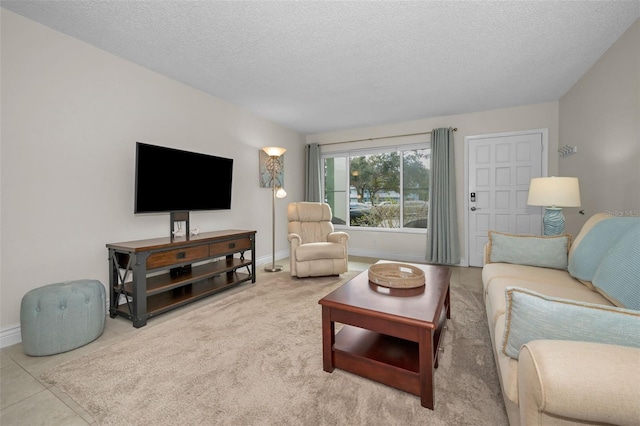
point(563, 381)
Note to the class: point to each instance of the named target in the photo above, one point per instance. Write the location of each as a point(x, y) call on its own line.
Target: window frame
point(400, 148)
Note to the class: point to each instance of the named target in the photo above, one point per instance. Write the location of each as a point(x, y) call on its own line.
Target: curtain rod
point(455, 129)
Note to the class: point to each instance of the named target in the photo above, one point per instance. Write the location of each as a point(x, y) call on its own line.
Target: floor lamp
point(273, 165)
point(554, 193)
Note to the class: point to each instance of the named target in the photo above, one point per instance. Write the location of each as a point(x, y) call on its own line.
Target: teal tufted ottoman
point(61, 317)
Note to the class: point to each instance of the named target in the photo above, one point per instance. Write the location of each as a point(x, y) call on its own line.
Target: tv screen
point(172, 180)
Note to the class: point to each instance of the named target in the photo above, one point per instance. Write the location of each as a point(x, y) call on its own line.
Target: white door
point(500, 167)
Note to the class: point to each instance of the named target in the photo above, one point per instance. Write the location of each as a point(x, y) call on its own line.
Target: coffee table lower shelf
point(385, 359)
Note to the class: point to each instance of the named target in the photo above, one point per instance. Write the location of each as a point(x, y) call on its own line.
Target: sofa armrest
point(338, 237)
point(589, 382)
point(487, 253)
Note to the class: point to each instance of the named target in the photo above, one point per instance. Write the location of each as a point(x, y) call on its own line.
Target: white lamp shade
point(281, 193)
point(554, 191)
point(274, 151)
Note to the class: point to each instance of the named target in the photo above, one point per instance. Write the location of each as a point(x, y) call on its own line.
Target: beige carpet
point(255, 358)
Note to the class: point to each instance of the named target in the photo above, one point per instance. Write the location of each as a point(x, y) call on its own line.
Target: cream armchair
point(316, 250)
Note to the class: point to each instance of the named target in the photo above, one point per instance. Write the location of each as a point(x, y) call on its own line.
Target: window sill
point(345, 228)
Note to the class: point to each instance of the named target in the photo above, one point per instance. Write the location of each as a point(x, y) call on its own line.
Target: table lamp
point(554, 193)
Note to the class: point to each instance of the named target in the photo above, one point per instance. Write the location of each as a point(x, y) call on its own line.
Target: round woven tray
point(396, 275)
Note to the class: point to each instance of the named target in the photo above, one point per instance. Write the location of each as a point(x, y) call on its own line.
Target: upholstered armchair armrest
point(338, 237)
point(294, 240)
point(589, 382)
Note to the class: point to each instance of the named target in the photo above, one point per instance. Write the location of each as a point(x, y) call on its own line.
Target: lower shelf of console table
point(150, 277)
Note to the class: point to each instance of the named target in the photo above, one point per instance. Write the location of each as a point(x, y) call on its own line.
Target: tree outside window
point(385, 189)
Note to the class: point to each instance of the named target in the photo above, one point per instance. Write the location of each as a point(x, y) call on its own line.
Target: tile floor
point(26, 400)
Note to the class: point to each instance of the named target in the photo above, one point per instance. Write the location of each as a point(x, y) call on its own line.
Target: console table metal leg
point(140, 290)
point(137, 322)
point(253, 258)
point(113, 277)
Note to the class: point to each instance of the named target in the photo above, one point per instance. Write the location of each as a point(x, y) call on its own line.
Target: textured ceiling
point(322, 66)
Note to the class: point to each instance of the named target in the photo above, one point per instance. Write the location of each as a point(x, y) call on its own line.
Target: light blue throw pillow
point(596, 244)
point(546, 252)
point(533, 316)
point(618, 275)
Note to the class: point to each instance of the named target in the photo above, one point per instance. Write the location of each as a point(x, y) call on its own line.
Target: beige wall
point(71, 115)
point(600, 115)
point(412, 247)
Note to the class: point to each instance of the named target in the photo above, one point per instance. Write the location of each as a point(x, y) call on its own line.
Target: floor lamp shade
point(554, 193)
point(274, 151)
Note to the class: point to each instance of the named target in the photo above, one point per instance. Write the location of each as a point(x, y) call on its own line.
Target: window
point(381, 188)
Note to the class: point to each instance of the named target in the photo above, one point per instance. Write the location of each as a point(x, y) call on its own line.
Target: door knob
point(473, 209)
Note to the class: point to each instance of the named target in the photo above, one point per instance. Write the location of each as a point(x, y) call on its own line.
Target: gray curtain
point(443, 244)
point(312, 173)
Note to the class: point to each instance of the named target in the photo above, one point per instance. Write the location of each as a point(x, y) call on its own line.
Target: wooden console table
point(150, 277)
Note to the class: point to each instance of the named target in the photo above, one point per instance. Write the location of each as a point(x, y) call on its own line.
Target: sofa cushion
point(529, 273)
point(618, 275)
point(533, 316)
point(595, 245)
point(546, 252)
point(567, 288)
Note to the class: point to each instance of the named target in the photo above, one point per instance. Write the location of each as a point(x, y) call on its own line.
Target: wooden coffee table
point(392, 336)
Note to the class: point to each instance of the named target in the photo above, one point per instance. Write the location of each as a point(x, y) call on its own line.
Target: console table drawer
point(172, 257)
point(225, 247)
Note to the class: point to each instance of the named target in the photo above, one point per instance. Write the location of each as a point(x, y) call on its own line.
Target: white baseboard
point(10, 336)
point(284, 254)
point(374, 254)
point(399, 257)
point(377, 254)
point(263, 260)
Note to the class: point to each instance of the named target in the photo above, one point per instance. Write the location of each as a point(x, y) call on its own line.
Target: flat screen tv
point(173, 180)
